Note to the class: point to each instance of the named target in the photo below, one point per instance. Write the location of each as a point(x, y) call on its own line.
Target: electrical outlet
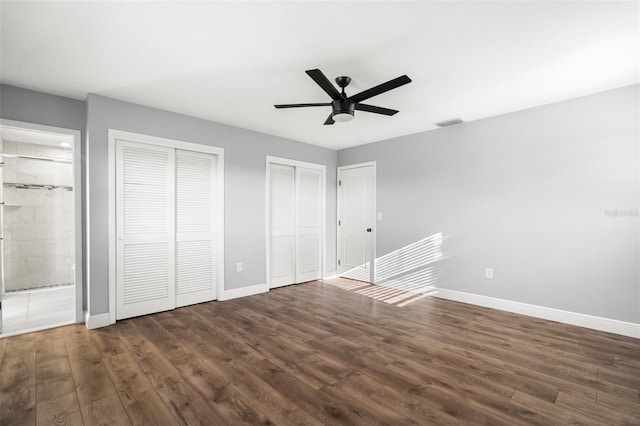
point(488, 273)
point(379, 215)
point(239, 267)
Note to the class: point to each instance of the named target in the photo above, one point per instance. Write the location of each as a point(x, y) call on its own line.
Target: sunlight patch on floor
point(392, 296)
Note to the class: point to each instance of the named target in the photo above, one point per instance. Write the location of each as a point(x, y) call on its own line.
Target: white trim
point(243, 292)
point(114, 135)
point(331, 275)
point(372, 276)
point(97, 321)
point(582, 320)
point(78, 189)
point(295, 163)
point(167, 143)
point(270, 159)
point(42, 327)
point(87, 237)
point(111, 223)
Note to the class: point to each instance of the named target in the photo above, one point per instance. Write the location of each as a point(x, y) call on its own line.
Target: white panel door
point(145, 222)
point(308, 219)
point(356, 220)
point(195, 227)
point(281, 261)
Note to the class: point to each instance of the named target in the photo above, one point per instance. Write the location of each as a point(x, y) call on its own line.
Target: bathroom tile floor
point(37, 309)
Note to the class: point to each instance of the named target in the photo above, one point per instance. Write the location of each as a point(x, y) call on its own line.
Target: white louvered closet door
point(308, 201)
point(281, 263)
point(195, 227)
point(145, 218)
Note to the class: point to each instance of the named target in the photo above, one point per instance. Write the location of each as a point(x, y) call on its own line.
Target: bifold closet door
point(195, 227)
point(145, 221)
point(166, 204)
point(282, 225)
point(295, 224)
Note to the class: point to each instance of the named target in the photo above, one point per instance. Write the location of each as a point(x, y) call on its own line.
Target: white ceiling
point(231, 61)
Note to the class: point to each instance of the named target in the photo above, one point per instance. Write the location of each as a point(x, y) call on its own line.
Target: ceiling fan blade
point(301, 105)
point(329, 119)
point(322, 81)
point(381, 88)
point(376, 109)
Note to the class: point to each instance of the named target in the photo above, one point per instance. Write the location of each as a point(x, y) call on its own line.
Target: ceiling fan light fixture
point(343, 116)
point(343, 110)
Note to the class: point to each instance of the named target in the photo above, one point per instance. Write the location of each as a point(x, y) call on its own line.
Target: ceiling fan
point(343, 106)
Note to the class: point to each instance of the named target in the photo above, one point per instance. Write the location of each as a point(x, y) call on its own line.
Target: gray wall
point(532, 194)
point(41, 108)
point(245, 157)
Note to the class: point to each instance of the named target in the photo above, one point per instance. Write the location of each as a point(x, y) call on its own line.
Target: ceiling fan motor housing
point(342, 106)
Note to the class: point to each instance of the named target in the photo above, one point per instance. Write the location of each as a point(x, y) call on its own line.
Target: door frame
point(372, 272)
point(114, 135)
point(323, 200)
point(76, 146)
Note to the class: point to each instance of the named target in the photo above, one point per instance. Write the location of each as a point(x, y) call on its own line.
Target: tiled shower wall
point(38, 222)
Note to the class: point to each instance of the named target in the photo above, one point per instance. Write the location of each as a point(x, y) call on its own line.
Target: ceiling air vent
point(451, 122)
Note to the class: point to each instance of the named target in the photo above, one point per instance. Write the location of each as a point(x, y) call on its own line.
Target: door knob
point(368, 229)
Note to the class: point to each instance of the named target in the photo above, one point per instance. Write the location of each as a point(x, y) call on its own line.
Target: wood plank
point(422, 412)
point(149, 409)
point(555, 413)
point(3, 347)
point(359, 402)
point(186, 404)
point(594, 411)
point(129, 382)
point(62, 410)
point(323, 407)
point(18, 381)
point(104, 412)
point(614, 403)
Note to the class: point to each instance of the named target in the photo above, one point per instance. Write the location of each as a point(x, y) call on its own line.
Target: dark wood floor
point(317, 354)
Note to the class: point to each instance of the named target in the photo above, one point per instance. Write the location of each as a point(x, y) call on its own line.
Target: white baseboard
point(97, 321)
point(243, 292)
point(582, 320)
point(411, 287)
point(330, 275)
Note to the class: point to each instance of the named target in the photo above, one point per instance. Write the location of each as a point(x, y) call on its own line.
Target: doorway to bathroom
point(40, 223)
